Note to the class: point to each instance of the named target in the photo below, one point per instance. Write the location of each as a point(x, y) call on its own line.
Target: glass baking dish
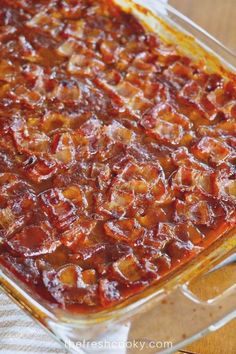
point(167, 315)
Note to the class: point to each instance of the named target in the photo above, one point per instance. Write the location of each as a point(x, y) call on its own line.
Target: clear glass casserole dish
point(167, 315)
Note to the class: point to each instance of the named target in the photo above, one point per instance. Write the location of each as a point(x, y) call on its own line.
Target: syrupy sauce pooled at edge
point(117, 154)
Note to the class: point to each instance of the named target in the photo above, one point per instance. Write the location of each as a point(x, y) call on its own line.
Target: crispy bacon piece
point(189, 232)
point(152, 216)
point(108, 291)
point(34, 240)
point(221, 129)
point(109, 50)
point(167, 132)
point(142, 180)
point(76, 233)
point(119, 133)
point(63, 149)
point(60, 211)
point(188, 179)
point(199, 212)
point(184, 231)
point(165, 124)
point(29, 140)
point(53, 121)
point(118, 204)
point(174, 241)
point(84, 64)
point(74, 194)
point(223, 94)
point(226, 188)
point(191, 91)
point(102, 174)
point(128, 269)
point(68, 286)
point(7, 70)
point(39, 169)
point(181, 157)
point(178, 249)
point(178, 74)
point(99, 256)
point(17, 202)
point(167, 113)
point(75, 29)
point(68, 47)
point(134, 189)
point(66, 92)
point(47, 22)
point(211, 150)
point(126, 230)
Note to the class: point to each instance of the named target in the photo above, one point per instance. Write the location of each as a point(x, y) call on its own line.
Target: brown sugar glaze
point(117, 153)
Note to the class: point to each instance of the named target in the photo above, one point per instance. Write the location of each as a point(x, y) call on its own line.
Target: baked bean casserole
point(117, 152)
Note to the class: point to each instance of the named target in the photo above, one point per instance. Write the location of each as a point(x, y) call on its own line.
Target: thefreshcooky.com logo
point(115, 345)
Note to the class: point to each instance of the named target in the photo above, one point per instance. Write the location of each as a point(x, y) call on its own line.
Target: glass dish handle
point(202, 315)
point(180, 317)
point(218, 310)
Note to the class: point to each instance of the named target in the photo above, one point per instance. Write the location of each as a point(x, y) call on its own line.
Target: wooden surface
point(222, 341)
point(218, 17)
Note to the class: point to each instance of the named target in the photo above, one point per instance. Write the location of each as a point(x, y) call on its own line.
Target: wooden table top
point(215, 16)
point(218, 18)
point(222, 341)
